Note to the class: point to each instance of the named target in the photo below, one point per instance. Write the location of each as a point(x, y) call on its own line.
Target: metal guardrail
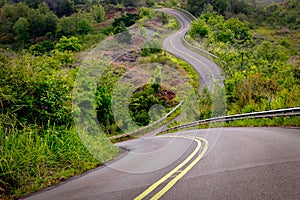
point(187, 12)
point(148, 126)
point(192, 17)
point(264, 114)
point(198, 48)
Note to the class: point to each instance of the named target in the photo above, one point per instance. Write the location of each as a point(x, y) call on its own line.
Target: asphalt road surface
point(210, 74)
point(246, 163)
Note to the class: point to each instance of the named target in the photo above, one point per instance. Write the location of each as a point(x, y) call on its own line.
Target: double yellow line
point(171, 183)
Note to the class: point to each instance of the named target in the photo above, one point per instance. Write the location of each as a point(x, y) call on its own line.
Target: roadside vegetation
point(262, 70)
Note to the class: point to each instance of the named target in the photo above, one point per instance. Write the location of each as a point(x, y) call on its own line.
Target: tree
point(42, 21)
point(3, 2)
point(21, 28)
point(239, 29)
point(78, 23)
point(66, 27)
point(196, 6)
point(199, 29)
point(10, 13)
point(120, 28)
point(84, 23)
point(61, 7)
point(98, 13)
point(150, 47)
point(150, 3)
point(128, 19)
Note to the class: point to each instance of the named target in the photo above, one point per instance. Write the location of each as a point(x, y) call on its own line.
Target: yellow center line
point(176, 169)
point(179, 176)
point(172, 44)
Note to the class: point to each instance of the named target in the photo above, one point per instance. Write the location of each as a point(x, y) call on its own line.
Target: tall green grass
point(33, 158)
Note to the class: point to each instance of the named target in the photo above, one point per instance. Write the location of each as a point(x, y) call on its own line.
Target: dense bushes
point(39, 144)
point(33, 91)
point(258, 72)
point(128, 19)
point(80, 23)
point(281, 15)
point(22, 26)
point(26, 23)
point(147, 96)
point(68, 44)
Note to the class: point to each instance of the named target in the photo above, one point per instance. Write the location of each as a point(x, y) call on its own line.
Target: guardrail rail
point(148, 126)
point(254, 115)
point(206, 53)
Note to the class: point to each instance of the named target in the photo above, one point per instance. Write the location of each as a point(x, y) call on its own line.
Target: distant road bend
point(209, 72)
point(246, 163)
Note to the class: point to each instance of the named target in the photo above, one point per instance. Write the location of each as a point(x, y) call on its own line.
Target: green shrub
point(34, 91)
point(68, 44)
point(42, 47)
point(128, 19)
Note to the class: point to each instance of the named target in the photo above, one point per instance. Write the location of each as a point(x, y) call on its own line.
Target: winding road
point(243, 163)
point(210, 74)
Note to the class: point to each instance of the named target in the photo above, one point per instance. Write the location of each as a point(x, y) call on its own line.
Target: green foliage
point(131, 3)
point(211, 25)
point(285, 14)
point(150, 3)
point(128, 19)
point(79, 23)
point(146, 12)
point(91, 39)
point(104, 91)
point(66, 58)
point(42, 47)
point(196, 6)
point(36, 123)
point(172, 24)
point(32, 159)
point(66, 26)
point(10, 13)
point(240, 31)
point(147, 96)
point(199, 29)
point(21, 28)
point(68, 44)
point(33, 92)
point(62, 7)
point(42, 21)
point(98, 13)
point(259, 77)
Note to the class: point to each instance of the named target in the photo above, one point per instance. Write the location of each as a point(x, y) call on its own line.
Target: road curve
point(210, 74)
point(246, 163)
